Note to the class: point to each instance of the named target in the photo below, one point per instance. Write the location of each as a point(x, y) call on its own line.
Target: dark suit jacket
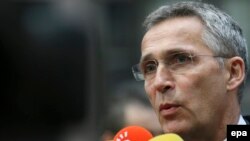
point(247, 119)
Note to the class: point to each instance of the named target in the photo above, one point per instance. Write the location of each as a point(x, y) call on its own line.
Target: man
point(194, 64)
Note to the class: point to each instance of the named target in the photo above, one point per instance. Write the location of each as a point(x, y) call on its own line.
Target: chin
point(176, 128)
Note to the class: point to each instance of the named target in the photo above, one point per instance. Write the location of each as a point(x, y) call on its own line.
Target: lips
point(168, 109)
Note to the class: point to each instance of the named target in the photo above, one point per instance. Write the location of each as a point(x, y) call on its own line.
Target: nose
point(164, 80)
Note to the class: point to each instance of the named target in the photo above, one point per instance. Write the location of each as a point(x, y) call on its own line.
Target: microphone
point(137, 133)
point(133, 133)
point(167, 137)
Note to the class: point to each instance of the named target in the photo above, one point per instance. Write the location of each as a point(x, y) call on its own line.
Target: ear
point(236, 69)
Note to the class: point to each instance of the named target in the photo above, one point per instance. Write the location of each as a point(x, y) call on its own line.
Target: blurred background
point(61, 61)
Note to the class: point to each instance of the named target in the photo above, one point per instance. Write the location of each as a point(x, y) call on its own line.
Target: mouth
point(168, 110)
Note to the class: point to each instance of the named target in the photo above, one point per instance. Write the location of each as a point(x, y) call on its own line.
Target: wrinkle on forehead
point(176, 33)
point(174, 27)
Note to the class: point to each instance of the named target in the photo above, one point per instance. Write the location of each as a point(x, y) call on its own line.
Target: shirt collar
point(241, 121)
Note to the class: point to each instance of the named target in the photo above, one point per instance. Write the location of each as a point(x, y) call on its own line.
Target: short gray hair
point(222, 34)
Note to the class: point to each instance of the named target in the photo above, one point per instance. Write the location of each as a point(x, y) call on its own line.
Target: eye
point(149, 67)
point(181, 58)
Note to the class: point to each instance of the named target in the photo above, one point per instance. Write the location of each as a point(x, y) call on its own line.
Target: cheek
point(201, 92)
point(187, 86)
point(150, 93)
point(201, 83)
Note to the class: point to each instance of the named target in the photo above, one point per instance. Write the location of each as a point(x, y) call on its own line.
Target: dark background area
point(44, 79)
point(62, 59)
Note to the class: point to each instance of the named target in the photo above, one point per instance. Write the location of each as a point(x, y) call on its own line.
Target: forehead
point(181, 33)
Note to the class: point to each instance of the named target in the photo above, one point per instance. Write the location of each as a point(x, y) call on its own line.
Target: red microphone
point(133, 133)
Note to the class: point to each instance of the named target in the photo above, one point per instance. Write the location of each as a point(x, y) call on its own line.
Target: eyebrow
point(150, 56)
point(146, 57)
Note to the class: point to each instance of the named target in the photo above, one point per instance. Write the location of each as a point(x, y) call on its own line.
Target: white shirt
point(240, 122)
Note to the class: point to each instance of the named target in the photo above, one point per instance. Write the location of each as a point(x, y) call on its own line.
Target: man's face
point(194, 100)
